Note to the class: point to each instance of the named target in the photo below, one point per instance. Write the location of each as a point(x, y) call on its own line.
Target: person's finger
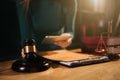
point(22, 53)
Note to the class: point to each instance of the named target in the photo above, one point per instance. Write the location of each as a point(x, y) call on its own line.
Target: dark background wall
point(9, 32)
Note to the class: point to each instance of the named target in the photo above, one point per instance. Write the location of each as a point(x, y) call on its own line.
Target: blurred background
point(92, 19)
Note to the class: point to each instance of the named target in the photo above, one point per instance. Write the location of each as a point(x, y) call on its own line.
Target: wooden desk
point(103, 71)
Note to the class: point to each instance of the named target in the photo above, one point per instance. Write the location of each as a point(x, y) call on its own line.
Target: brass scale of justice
point(101, 46)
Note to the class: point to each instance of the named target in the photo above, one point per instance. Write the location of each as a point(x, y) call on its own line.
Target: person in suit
point(40, 18)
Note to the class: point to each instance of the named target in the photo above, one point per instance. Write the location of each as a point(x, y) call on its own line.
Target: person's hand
point(22, 53)
point(64, 43)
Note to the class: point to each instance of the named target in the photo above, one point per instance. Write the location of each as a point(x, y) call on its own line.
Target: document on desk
point(72, 59)
point(66, 55)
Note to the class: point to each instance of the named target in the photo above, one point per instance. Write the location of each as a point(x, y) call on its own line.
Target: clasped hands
point(65, 42)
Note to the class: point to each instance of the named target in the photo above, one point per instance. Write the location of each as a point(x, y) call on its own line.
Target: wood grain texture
point(103, 71)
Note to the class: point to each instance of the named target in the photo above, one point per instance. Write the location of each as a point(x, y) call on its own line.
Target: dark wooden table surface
point(102, 71)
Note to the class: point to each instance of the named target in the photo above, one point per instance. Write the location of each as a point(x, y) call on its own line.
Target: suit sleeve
point(23, 21)
point(70, 11)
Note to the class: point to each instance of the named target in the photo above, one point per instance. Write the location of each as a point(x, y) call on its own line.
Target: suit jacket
point(38, 18)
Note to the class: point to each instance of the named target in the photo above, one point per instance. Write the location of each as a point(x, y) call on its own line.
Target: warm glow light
point(98, 5)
